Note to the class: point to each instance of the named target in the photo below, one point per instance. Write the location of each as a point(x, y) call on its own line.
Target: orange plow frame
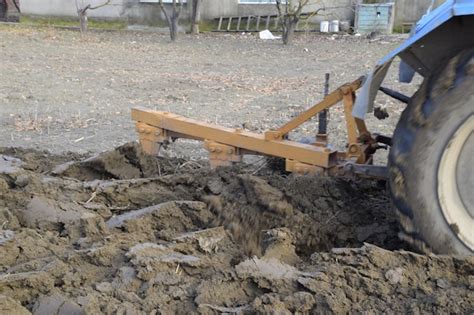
point(227, 145)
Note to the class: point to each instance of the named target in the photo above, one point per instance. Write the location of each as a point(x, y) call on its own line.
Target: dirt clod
point(124, 233)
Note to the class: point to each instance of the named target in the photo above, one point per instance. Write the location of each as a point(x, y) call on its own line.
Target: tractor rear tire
point(432, 161)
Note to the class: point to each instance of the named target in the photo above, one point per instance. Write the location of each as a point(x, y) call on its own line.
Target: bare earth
point(120, 232)
point(61, 92)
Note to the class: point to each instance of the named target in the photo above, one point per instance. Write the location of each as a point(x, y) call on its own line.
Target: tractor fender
point(438, 36)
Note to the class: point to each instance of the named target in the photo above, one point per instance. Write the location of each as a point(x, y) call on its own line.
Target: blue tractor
point(431, 168)
point(431, 174)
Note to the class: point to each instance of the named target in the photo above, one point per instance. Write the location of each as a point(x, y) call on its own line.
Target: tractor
point(429, 171)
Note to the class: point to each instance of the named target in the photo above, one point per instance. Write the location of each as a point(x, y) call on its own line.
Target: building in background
point(409, 11)
point(147, 12)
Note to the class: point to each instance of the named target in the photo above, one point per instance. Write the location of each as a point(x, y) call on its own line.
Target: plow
point(429, 169)
point(227, 145)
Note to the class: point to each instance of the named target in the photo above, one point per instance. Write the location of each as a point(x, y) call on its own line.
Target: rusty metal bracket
point(222, 154)
point(372, 171)
point(303, 168)
point(151, 137)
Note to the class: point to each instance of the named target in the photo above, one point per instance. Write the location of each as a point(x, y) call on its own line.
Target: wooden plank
point(229, 24)
point(220, 24)
point(238, 23)
point(258, 23)
point(267, 24)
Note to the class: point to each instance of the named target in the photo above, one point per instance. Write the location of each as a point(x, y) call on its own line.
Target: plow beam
point(175, 126)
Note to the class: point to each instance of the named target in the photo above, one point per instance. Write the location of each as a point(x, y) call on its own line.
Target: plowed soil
point(124, 233)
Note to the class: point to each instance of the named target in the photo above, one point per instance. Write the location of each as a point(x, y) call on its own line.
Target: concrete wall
point(343, 10)
point(212, 9)
point(67, 8)
point(149, 13)
point(336, 9)
point(130, 10)
point(410, 11)
point(333, 9)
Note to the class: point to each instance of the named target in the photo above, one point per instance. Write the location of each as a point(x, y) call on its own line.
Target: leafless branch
point(16, 5)
point(180, 7)
point(173, 17)
point(164, 11)
point(100, 5)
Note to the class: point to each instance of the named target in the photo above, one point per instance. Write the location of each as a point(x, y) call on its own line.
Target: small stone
point(471, 282)
point(394, 276)
point(5, 236)
point(8, 221)
point(215, 186)
point(56, 304)
point(441, 283)
point(22, 181)
point(104, 287)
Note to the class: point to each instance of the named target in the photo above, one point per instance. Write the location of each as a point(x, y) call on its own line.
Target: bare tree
point(196, 16)
point(173, 17)
point(82, 12)
point(4, 7)
point(289, 13)
point(15, 3)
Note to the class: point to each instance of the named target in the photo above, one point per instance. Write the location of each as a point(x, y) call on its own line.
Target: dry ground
point(60, 91)
point(125, 233)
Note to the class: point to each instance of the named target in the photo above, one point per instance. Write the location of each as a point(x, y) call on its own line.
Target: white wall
point(147, 13)
point(67, 8)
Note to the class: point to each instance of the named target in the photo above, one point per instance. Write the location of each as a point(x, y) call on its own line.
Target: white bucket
point(324, 27)
point(334, 26)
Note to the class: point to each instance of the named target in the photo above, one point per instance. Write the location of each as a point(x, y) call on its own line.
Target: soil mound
point(123, 232)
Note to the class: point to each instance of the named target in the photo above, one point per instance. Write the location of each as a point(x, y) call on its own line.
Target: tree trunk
point(196, 17)
point(17, 6)
point(289, 31)
point(172, 18)
point(83, 21)
point(174, 27)
point(3, 9)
